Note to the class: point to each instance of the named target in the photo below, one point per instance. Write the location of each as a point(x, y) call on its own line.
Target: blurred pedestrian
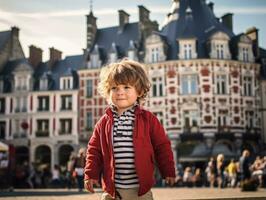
point(79, 165)
point(220, 165)
point(244, 166)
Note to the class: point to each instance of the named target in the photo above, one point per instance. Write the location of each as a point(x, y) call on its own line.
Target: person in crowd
point(197, 178)
point(70, 170)
point(211, 171)
point(232, 173)
point(128, 140)
point(79, 165)
point(188, 177)
point(220, 165)
point(257, 170)
point(56, 177)
point(244, 165)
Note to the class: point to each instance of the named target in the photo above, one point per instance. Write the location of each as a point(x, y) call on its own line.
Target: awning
point(222, 148)
point(3, 146)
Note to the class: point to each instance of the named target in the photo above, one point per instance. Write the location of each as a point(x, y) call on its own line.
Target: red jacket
point(151, 146)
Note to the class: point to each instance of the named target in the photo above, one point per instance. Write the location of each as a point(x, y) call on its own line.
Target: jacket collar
point(138, 110)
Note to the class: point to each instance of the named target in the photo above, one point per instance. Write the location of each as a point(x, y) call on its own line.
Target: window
point(42, 128)
point(220, 51)
point(189, 84)
point(113, 57)
point(249, 119)
point(2, 130)
point(2, 105)
point(221, 84)
point(17, 126)
point(66, 102)
point(245, 54)
point(132, 55)
point(89, 89)
point(43, 84)
point(191, 118)
point(1, 86)
point(43, 124)
point(43, 103)
point(21, 83)
point(222, 120)
point(94, 61)
point(21, 104)
point(247, 85)
point(154, 55)
point(65, 126)
point(89, 121)
point(157, 87)
point(187, 51)
point(24, 104)
point(66, 83)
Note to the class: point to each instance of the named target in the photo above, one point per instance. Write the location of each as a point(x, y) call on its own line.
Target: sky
point(62, 23)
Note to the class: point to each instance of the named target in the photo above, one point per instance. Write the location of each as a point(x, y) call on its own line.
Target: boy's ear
point(140, 94)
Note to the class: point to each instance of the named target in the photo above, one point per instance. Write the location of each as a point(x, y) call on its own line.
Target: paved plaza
point(159, 194)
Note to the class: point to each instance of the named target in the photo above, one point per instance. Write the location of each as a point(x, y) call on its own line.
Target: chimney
point(211, 4)
point(227, 20)
point(35, 55)
point(55, 55)
point(15, 31)
point(253, 34)
point(144, 14)
point(91, 30)
point(123, 19)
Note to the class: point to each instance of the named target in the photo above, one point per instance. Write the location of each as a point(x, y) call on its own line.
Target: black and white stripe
point(125, 172)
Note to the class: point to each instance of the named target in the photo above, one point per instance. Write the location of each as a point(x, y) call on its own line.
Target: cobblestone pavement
point(159, 194)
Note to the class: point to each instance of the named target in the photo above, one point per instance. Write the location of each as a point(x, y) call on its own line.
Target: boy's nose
point(120, 91)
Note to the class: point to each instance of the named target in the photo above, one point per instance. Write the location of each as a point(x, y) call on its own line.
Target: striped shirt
point(125, 172)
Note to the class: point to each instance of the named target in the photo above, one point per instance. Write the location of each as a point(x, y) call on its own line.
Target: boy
point(127, 141)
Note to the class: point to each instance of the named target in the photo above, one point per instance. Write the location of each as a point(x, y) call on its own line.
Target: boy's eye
point(127, 87)
point(113, 88)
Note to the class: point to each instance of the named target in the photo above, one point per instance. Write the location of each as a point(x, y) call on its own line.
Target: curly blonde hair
point(124, 72)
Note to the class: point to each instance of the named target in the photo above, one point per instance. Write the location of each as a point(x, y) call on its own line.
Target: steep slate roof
point(105, 37)
point(66, 67)
point(4, 36)
point(203, 25)
point(263, 64)
point(6, 73)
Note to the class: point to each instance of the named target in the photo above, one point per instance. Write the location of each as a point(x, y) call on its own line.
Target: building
point(208, 85)
point(206, 80)
point(39, 102)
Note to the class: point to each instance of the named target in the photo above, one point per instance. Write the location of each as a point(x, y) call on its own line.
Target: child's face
point(123, 96)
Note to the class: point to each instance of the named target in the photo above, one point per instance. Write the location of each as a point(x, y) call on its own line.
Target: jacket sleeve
point(94, 160)
point(162, 148)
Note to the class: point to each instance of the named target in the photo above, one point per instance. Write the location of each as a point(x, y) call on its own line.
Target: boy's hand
point(89, 184)
point(170, 181)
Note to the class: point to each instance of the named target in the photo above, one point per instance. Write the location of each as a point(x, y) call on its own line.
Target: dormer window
point(132, 55)
point(66, 83)
point(43, 83)
point(113, 53)
point(155, 49)
point(95, 58)
point(1, 86)
point(20, 83)
point(219, 46)
point(187, 49)
point(113, 57)
point(154, 55)
point(245, 52)
point(220, 51)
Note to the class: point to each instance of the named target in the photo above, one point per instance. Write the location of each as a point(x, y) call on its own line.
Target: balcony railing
point(42, 133)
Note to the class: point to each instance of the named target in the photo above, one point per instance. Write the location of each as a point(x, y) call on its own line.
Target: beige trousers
point(128, 194)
